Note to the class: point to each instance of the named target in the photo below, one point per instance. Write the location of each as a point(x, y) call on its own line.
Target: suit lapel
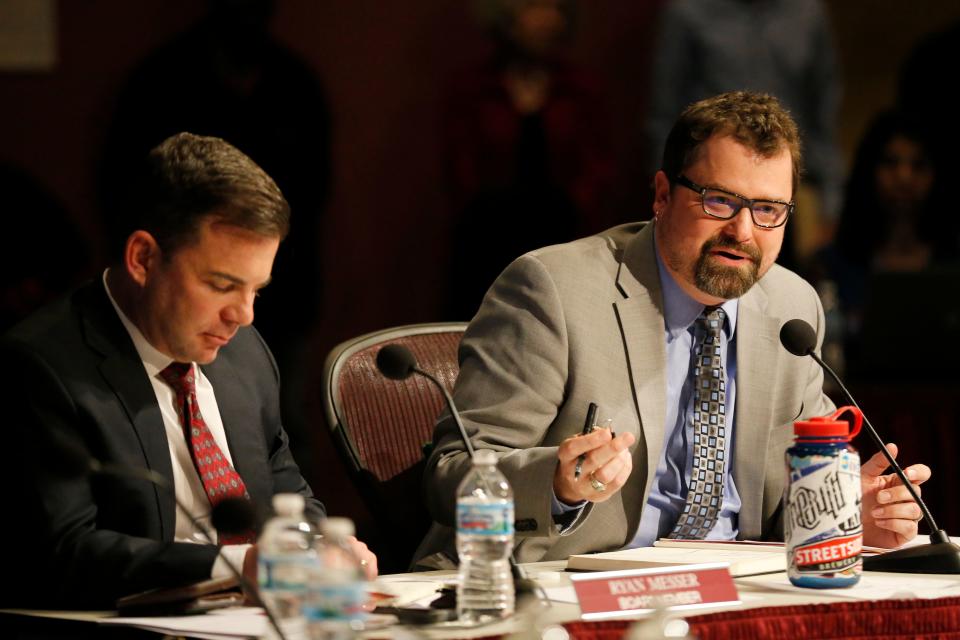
point(124, 373)
point(241, 421)
point(640, 314)
point(758, 345)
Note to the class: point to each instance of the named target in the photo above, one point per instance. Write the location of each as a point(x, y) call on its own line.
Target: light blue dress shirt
point(670, 485)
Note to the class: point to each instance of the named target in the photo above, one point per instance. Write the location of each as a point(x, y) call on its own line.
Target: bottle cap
point(484, 456)
point(337, 527)
point(830, 426)
point(288, 504)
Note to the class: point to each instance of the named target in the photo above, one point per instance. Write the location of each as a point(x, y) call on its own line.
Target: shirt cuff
point(233, 554)
point(564, 514)
point(559, 508)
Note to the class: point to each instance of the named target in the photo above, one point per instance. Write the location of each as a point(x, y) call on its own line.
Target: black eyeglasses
point(717, 203)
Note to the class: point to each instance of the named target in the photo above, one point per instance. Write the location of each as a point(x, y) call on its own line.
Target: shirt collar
point(153, 360)
point(680, 311)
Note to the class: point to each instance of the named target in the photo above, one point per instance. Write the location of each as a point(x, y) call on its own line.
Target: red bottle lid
point(830, 427)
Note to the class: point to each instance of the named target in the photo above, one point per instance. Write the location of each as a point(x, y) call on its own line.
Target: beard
point(722, 281)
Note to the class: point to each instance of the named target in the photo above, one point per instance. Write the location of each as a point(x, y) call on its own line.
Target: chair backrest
point(381, 426)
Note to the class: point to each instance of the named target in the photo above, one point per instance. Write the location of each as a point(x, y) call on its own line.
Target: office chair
point(382, 428)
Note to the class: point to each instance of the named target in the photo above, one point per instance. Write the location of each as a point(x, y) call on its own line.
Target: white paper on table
point(224, 624)
point(209, 636)
point(565, 593)
point(410, 591)
point(872, 586)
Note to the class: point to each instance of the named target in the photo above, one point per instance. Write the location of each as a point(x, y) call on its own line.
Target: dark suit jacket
point(80, 541)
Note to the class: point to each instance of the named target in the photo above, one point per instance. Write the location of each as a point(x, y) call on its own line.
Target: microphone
point(232, 515)
point(940, 556)
point(235, 516)
point(396, 362)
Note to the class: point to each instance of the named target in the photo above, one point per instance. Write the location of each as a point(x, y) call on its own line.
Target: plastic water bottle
point(285, 560)
point(484, 542)
point(338, 586)
point(824, 532)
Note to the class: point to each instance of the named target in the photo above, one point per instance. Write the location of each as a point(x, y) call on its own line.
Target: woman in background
point(892, 221)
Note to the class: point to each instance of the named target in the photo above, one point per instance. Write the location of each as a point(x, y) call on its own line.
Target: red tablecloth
point(939, 618)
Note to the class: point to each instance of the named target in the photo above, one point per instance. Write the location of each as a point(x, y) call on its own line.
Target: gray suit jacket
point(583, 322)
point(82, 542)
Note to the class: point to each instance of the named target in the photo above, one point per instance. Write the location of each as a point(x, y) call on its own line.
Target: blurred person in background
point(34, 272)
point(890, 218)
point(781, 47)
point(528, 163)
point(919, 96)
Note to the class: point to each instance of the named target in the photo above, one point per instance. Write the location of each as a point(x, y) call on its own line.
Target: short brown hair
point(755, 120)
point(187, 178)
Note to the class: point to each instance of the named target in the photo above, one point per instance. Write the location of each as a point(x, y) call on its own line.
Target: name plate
point(615, 594)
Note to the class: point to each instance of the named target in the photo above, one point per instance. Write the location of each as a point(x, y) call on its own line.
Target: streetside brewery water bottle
point(284, 562)
point(824, 533)
point(484, 542)
point(337, 591)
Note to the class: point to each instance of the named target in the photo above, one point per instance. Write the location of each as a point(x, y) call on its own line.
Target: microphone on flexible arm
point(396, 362)
point(231, 515)
point(940, 555)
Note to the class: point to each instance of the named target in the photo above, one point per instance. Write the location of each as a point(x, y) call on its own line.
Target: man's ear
point(141, 255)
point(661, 193)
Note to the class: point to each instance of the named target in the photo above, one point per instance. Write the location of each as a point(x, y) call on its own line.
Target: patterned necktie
point(220, 480)
point(710, 434)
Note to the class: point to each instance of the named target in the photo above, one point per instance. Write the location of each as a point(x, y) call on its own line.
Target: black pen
point(588, 426)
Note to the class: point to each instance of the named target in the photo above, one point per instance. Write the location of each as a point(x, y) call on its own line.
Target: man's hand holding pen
point(604, 462)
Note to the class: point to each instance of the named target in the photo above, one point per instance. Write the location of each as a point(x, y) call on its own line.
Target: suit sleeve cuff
point(564, 514)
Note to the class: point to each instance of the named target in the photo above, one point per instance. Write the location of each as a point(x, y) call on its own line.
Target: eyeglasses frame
point(744, 202)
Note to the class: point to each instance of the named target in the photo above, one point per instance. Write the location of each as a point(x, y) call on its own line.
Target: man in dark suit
point(121, 363)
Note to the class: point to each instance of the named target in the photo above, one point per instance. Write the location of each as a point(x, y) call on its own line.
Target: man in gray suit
point(622, 319)
point(119, 365)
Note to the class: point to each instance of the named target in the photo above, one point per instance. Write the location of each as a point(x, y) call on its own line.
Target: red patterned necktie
point(220, 480)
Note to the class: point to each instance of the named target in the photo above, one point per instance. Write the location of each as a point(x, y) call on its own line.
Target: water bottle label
point(343, 601)
point(824, 533)
point(284, 572)
point(833, 555)
point(485, 519)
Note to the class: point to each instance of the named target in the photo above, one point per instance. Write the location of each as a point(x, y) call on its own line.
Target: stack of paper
point(743, 558)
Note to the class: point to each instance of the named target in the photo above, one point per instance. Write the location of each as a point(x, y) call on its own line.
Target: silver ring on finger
point(598, 486)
